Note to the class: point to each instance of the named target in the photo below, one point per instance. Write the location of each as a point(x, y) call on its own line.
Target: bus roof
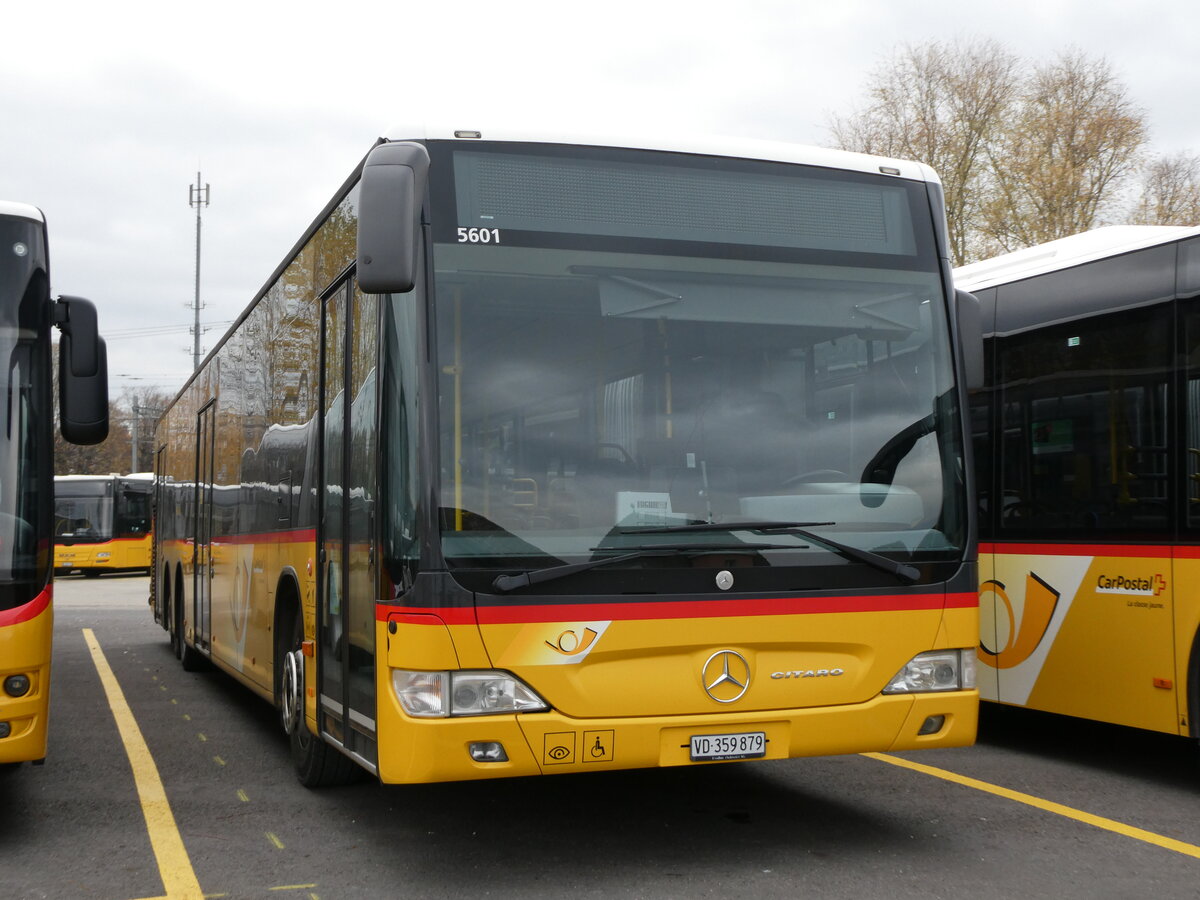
point(743, 148)
point(1065, 253)
point(21, 211)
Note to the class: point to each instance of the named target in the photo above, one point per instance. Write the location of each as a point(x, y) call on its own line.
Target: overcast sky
point(107, 110)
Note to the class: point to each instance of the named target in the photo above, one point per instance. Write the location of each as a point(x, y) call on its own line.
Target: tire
point(177, 613)
point(317, 763)
point(190, 658)
point(176, 628)
point(169, 615)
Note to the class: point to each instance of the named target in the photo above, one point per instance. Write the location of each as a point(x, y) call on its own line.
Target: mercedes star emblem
point(726, 676)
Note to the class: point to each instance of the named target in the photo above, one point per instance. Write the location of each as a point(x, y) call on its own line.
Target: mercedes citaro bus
point(540, 455)
point(27, 316)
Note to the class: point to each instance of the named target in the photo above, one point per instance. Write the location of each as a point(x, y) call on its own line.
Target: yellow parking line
point(1047, 805)
point(179, 879)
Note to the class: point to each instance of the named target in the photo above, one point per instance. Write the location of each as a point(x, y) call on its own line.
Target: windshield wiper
point(909, 573)
point(505, 583)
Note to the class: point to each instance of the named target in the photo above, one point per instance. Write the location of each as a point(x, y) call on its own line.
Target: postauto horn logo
point(1040, 602)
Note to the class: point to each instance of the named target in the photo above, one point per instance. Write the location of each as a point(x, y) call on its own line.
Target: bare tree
point(945, 105)
point(111, 455)
point(1170, 192)
point(1026, 153)
point(143, 407)
point(1060, 162)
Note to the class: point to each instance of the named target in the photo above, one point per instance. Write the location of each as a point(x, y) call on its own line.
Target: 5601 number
point(479, 235)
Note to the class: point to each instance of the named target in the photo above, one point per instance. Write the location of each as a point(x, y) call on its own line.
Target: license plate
point(745, 745)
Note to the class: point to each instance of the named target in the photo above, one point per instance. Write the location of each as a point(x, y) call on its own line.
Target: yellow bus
point(1089, 477)
point(541, 456)
point(27, 314)
point(102, 523)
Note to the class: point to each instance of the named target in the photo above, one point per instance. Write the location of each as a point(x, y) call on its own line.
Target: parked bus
point(27, 314)
point(102, 523)
point(1089, 477)
point(539, 457)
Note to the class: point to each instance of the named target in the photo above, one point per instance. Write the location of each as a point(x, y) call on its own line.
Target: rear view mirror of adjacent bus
point(389, 211)
point(970, 337)
point(82, 372)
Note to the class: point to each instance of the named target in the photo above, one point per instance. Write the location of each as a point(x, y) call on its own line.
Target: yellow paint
point(420, 642)
point(1107, 638)
point(123, 553)
point(1057, 809)
point(179, 879)
point(1040, 602)
point(610, 682)
point(25, 649)
point(647, 667)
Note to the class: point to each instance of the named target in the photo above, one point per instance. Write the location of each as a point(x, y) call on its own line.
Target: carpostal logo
point(1150, 586)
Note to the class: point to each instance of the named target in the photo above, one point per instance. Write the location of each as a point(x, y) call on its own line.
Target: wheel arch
point(287, 607)
point(1193, 688)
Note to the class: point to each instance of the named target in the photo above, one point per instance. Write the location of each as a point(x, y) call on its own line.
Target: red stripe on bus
point(132, 540)
point(28, 611)
point(680, 609)
point(1121, 550)
point(297, 536)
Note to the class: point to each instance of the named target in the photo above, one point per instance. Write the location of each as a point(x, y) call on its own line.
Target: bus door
point(159, 587)
point(346, 605)
point(202, 571)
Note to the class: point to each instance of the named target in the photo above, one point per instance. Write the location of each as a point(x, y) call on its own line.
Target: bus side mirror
point(391, 191)
point(970, 338)
point(82, 372)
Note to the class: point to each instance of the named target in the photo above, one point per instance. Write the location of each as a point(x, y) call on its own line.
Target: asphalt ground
point(163, 783)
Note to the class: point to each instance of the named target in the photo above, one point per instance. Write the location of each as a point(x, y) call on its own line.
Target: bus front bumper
point(418, 751)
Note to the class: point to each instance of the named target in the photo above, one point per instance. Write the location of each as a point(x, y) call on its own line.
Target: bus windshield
point(638, 342)
point(83, 511)
point(24, 465)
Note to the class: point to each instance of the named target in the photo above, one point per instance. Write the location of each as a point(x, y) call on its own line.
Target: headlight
point(421, 693)
point(441, 694)
point(937, 670)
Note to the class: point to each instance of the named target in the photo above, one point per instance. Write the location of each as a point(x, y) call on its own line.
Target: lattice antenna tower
point(198, 198)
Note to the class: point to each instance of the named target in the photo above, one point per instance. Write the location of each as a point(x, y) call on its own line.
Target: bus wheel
point(177, 617)
point(190, 658)
point(291, 699)
point(170, 615)
point(172, 627)
point(317, 763)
